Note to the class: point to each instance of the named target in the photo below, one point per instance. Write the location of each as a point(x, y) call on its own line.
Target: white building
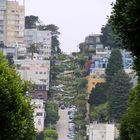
point(41, 39)
point(39, 114)
point(32, 62)
point(101, 132)
point(37, 36)
point(102, 52)
point(38, 72)
point(35, 71)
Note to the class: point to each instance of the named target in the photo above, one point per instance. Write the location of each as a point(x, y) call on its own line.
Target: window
point(97, 39)
point(40, 72)
point(39, 122)
point(36, 72)
point(40, 87)
point(39, 114)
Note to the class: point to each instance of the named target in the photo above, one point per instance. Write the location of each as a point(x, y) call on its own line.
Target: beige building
point(2, 19)
point(13, 21)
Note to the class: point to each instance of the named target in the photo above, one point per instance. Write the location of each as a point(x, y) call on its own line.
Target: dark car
point(62, 107)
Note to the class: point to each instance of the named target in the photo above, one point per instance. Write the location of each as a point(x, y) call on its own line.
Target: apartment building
point(42, 39)
point(37, 36)
point(2, 19)
point(39, 114)
point(38, 73)
point(11, 22)
point(88, 47)
point(92, 41)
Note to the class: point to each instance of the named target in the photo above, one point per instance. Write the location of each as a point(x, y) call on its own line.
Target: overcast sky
point(76, 19)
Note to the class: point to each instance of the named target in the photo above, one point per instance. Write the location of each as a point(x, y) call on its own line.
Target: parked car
point(62, 107)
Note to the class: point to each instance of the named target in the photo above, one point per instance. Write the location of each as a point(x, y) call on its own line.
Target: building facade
point(2, 19)
point(101, 132)
point(37, 36)
point(38, 73)
point(12, 21)
point(42, 39)
point(92, 41)
point(39, 114)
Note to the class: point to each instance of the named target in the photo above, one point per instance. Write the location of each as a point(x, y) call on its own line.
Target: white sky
point(75, 18)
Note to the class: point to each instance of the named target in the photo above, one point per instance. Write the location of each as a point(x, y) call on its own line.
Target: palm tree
point(33, 49)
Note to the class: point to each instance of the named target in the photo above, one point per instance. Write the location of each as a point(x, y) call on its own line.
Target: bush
point(52, 112)
point(51, 134)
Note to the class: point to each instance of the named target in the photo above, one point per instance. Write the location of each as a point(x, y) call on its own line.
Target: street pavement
point(62, 125)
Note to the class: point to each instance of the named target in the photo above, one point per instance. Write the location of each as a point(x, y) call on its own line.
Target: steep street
point(62, 125)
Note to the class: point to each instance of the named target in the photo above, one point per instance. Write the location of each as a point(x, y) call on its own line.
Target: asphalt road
point(62, 125)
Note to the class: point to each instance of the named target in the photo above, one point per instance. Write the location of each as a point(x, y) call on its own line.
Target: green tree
point(115, 64)
point(77, 73)
point(31, 21)
point(55, 35)
point(130, 122)
point(100, 113)
point(118, 96)
point(81, 60)
point(52, 112)
point(80, 85)
point(50, 134)
point(109, 38)
point(16, 117)
point(33, 49)
point(82, 47)
point(80, 102)
point(34, 22)
point(125, 19)
point(98, 94)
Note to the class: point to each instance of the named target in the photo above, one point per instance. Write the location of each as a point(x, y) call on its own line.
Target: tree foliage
point(55, 34)
point(34, 22)
point(52, 112)
point(31, 21)
point(50, 134)
point(118, 96)
point(100, 113)
point(125, 19)
point(109, 38)
point(16, 117)
point(115, 64)
point(80, 102)
point(81, 60)
point(34, 48)
point(80, 84)
point(51, 27)
point(82, 47)
point(98, 94)
point(130, 122)
point(77, 73)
